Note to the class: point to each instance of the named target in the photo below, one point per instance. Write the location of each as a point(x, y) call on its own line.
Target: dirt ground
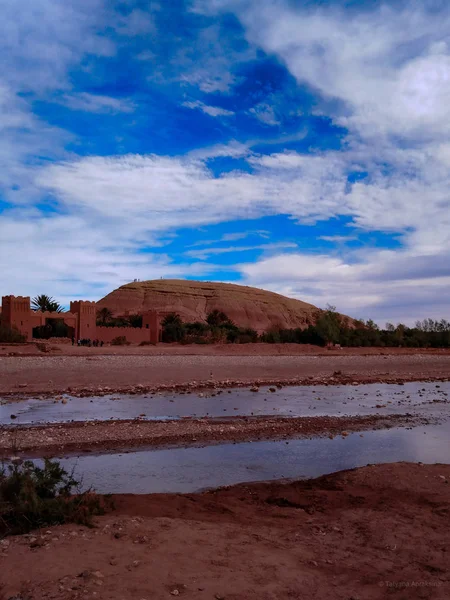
point(98, 436)
point(259, 349)
point(90, 370)
point(371, 533)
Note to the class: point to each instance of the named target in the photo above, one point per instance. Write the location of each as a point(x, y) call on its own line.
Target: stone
point(98, 574)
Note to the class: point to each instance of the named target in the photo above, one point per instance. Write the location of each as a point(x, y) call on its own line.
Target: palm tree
point(172, 328)
point(216, 318)
point(46, 303)
point(104, 316)
point(172, 319)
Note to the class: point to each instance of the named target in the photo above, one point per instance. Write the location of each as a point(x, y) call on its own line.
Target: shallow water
point(422, 398)
point(185, 470)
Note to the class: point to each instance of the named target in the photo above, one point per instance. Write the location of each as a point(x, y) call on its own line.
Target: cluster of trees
point(329, 328)
point(105, 318)
point(218, 328)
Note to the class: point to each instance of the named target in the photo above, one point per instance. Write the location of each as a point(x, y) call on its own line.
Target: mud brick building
point(80, 319)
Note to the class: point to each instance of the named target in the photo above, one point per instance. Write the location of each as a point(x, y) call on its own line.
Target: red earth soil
point(369, 534)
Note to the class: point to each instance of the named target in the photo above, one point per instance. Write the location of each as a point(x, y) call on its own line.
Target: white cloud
point(44, 37)
point(207, 252)
point(338, 239)
point(390, 66)
point(383, 285)
point(96, 103)
point(232, 149)
point(212, 111)
point(207, 60)
point(68, 256)
point(240, 235)
point(232, 237)
point(40, 43)
point(264, 113)
point(164, 191)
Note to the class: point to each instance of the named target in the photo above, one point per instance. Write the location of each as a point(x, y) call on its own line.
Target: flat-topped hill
point(193, 300)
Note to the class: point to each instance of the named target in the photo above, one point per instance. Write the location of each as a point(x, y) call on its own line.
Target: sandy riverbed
point(89, 373)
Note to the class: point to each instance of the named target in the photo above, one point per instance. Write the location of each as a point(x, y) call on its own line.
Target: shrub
point(217, 318)
point(32, 497)
point(53, 328)
point(247, 335)
point(11, 335)
point(196, 328)
point(120, 340)
point(135, 320)
point(272, 336)
point(172, 328)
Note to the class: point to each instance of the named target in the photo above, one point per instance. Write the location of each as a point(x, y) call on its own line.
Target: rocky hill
point(193, 300)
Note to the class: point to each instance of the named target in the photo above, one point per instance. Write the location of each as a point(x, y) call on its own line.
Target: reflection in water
point(414, 397)
point(191, 469)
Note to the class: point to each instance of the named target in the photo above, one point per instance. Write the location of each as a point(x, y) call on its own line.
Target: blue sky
point(302, 147)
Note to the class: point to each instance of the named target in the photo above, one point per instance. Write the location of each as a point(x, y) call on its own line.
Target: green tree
point(172, 328)
point(104, 316)
point(135, 320)
point(45, 303)
point(328, 325)
point(217, 318)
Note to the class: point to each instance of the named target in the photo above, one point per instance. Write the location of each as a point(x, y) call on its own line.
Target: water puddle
point(428, 399)
point(184, 470)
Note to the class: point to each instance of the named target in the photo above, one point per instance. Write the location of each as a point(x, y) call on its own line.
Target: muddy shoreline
point(100, 436)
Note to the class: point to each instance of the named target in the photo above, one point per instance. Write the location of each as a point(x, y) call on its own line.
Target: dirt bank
point(369, 534)
point(103, 436)
point(54, 348)
point(90, 374)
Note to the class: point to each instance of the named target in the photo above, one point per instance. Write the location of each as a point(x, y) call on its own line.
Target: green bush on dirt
point(33, 497)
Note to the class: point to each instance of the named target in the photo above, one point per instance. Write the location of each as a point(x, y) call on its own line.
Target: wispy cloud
point(212, 111)
point(233, 237)
point(96, 103)
point(207, 252)
point(264, 113)
point(338, 239)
